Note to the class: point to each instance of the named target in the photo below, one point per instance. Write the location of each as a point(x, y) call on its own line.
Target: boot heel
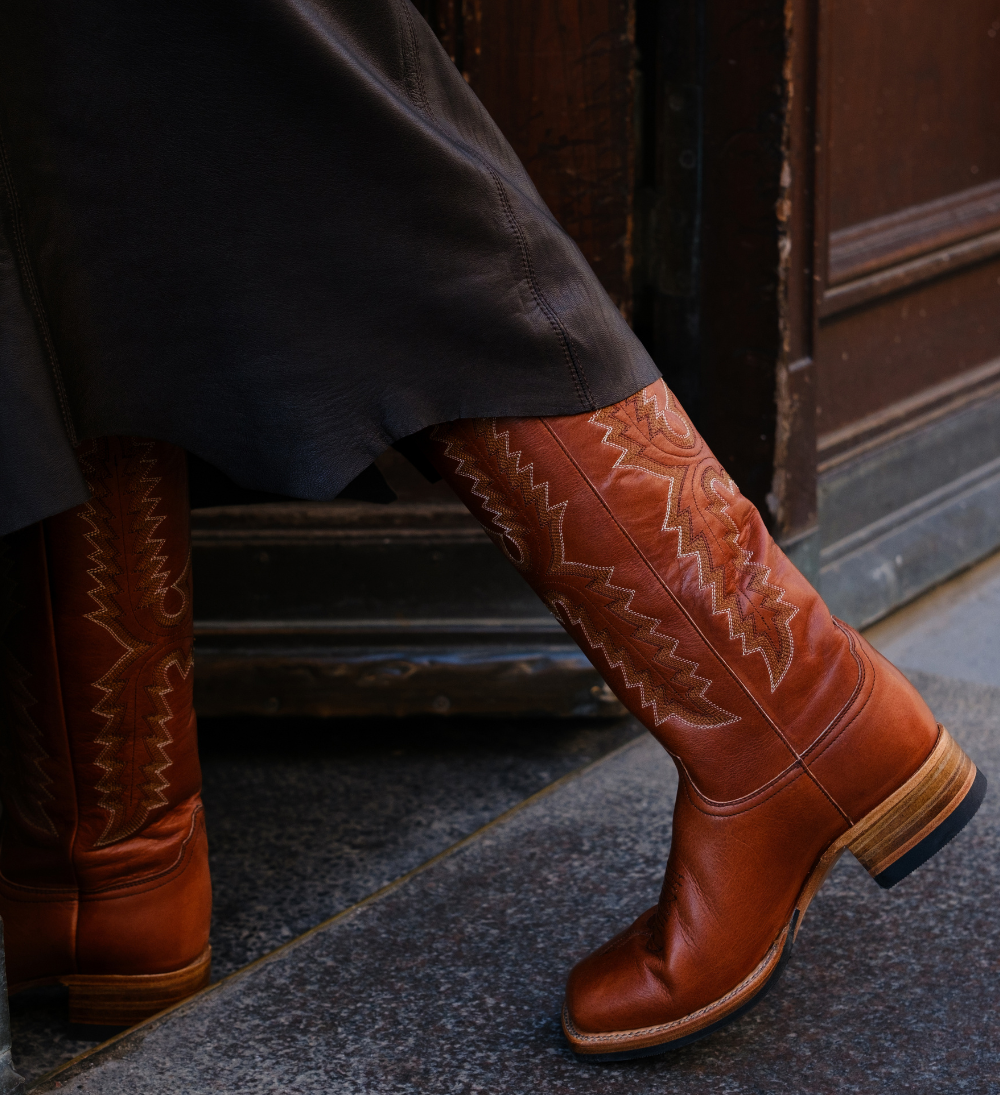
point(122, 1000)
point(916, 822)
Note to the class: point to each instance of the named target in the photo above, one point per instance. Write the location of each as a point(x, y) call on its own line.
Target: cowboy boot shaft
point(789, 732)
point(99, 643)
point(642, 546)
point(36, 766)
point(120, 580)
point(103, 859)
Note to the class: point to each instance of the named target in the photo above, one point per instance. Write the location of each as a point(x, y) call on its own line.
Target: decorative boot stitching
point(26, 783)
point(106, 571)
point(659, 423)
point(159, 737)
point(636, 453)
point(509, 533)
point(689, 704)
point(778, 656)
point(750, 982)
point(685, 697)
point(154, 579)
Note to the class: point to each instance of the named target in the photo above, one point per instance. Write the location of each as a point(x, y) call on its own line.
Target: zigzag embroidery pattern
point(772, 597)
point(159, 738)
point(695, 709)
point(27, 788)
point(778, 657)
point(647, 409)
point(508, 529)
point(153, 577)
point(691, 704)
point(107, 615)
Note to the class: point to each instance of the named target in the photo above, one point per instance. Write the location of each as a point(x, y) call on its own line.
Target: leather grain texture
point(103, 853)
point(280, 234)
point(785, 725)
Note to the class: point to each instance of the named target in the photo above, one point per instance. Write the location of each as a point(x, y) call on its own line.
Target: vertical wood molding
point(718, 272)
point(742, 341)
point(793, 498)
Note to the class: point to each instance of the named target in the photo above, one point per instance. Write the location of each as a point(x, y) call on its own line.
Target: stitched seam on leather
point(618, 657)
point(743, 688)
point(803, 771)
point(138, 464)
point(834, 738)
point(162, 877)
point(831, 733)
point(28, 278)
point(696, 708)
point(420, 98)
point(680, 520)
point(624, 1035)
point(723, 805)
point(670, 593)
point(580, 381)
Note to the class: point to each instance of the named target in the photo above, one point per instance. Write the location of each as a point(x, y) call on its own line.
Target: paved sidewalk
point(452, 981)
point(954, 630)
point(308, 816)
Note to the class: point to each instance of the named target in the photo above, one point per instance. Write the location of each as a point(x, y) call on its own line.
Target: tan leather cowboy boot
point(103, 862)
point(794, 739)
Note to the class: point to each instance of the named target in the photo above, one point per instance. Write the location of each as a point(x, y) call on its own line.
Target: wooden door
point(796, 203)
point(907, 344)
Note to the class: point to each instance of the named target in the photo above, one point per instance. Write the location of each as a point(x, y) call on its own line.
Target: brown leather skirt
point(280, 233)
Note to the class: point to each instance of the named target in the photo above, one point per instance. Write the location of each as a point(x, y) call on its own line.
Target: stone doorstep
point(130, 1040)
point(450, 979)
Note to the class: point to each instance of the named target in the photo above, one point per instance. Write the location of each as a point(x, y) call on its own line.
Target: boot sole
point(122, 1000)
point(892, 841)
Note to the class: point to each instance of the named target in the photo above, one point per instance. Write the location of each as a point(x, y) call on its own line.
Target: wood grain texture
point(558, 77)
point(793, 498)
point(914, 103)
point(743, 160)
point(908, 414)
point(916, 809)
point(873, 357)
point(888, 241)
point(908, 212)
point(884, 283)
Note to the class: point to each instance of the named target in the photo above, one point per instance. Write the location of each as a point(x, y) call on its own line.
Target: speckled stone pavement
point(452, 982)
point(308, 816)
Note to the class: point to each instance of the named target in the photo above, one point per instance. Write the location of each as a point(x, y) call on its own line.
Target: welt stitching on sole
point(685, 1039)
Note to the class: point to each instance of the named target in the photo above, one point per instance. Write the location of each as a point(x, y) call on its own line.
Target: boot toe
point(618, 987)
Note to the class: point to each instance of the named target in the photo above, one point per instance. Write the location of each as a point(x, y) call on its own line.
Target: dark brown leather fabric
point(103, 854)
point(280, 234)
point(785, 725)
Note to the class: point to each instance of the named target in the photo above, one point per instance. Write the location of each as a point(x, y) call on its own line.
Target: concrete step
point(308, 816)
point(451, 981)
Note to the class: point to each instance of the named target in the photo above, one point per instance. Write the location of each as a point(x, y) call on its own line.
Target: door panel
point(907, 343)
point(886, 353)
point(909, 202)
point(914, 108)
